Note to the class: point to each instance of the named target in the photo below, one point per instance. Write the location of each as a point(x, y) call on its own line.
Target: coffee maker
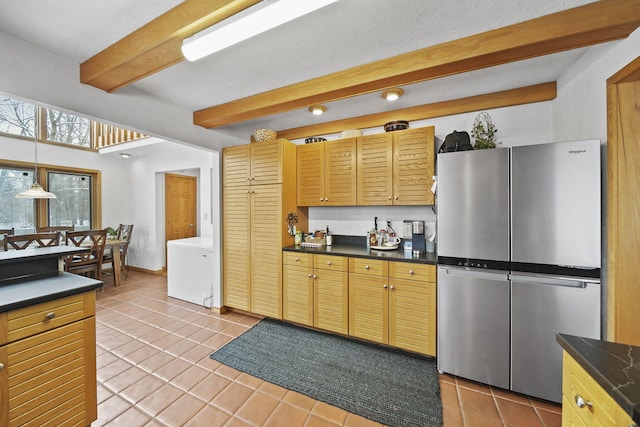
point(418, 241)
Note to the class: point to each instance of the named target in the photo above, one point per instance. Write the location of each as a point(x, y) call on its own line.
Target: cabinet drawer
point(331, 262)
point(372, 267)
point(298, 258)
point(412, 271)
point(602, 411)
point(28, 321)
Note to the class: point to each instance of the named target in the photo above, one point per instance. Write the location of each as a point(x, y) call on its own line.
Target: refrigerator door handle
point(555, 281)
point(475, 273)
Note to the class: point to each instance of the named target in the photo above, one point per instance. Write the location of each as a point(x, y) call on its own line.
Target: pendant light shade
point(35, 191)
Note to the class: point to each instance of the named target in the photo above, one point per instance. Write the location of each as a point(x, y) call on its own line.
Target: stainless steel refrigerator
point(518, 261)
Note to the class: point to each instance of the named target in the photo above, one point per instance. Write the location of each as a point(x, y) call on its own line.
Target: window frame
point(41, 205)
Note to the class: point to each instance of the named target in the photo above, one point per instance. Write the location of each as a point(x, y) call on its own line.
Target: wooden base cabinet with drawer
point(48, 363)
point(585, 403)
point(393, 303)
point(316, 291)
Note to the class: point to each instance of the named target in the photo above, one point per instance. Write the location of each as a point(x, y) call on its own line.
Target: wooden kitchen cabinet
point(396, 168)
point(598, 407)
point(393, 303)
point(48, 363)
point(326, 173)
point(254, 221)
point(316, 291)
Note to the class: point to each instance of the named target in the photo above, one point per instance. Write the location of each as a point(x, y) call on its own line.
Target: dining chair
point(123, 234)
point(61, 228)
point(23, 241)
point(4, 232)
point(87, 263)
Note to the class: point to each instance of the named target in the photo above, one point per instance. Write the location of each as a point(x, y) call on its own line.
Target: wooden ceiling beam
point(506, 98)
point(156, 45)
point(594, 23)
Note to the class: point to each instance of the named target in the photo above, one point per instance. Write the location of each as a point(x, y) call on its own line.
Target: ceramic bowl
point(264, 135)
point(396, 125)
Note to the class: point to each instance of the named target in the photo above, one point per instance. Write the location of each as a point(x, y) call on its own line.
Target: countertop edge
point(569, 344)
point(363, 252)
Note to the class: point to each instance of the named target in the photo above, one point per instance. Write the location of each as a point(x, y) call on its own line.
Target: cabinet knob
point(297, 259)
point(321, 199)
point(328, 262)
point(391, 287)
point(581, 403)
point(326, 199)
point(315, 276)
point(51, 315)
point(251, 178)
point(396, 197)
point(384, 286)
point(366, 267)
point(248, 178)
point(410, 271)
point(310, 275)
point(1, 366)
point(389, 197)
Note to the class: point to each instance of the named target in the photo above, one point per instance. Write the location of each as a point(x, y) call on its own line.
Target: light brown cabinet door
point(236, 166)
point(266, 162)
point(236, 244)
point(375, 170)
point(331, 300)
point(413, 166)
point(266, 250)
point(297, 294)
point(340, 172)
point(412, 315)
point(310, 174)
point(369, 307)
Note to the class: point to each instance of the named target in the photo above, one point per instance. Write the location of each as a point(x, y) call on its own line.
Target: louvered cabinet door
point(266, 250)
point(368, 307)
point(236, 243)
point(266, 162)
point(375, 170)
point(413, 166)
point(310, 174)
point(50, 378)
point(297, 294)
point(236, 166)
point(331, 300)
point(412, 315)
point(340, 172)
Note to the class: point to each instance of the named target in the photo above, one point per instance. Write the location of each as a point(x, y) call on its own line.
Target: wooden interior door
point(623, 205)
point(180, 206)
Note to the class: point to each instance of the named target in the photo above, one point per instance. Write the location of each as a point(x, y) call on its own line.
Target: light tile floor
point(154, 370)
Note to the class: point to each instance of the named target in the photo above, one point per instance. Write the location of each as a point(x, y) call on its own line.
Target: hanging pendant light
point(35, 191)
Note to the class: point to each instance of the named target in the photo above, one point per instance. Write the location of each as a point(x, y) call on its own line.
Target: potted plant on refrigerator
point(484, 132)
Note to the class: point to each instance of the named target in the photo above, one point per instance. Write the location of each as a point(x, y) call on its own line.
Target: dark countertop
point(24, 294)
point(615, 366)
point(38, 253)
point(356, 247)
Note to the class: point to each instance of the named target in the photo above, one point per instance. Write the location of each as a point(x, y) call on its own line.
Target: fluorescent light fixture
point(272, 14)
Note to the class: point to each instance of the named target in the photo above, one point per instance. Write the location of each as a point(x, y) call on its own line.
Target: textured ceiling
point(340, 36)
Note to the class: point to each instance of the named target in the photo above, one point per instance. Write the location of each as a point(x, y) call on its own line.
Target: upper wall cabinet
point(253, 164)
point(396, 168)
point(326, 173)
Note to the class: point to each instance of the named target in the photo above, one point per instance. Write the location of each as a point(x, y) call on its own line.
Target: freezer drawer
point(541, 308)
point(473, 324)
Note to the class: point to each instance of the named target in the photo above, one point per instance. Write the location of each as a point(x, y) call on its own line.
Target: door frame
point(615, 143)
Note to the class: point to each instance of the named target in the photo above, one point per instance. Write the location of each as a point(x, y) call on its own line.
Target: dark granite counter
point(615, 367)
point(356, 247)
point(34, 275)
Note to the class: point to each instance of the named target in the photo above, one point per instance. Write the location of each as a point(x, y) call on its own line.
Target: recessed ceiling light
point(125, 155)
point(317, 109)
point(392, 94)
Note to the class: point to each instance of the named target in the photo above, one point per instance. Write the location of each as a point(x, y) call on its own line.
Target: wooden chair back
point(23, 241)
point(7, 231)
point(55, 228)
point(90, 262)
point(124, 234)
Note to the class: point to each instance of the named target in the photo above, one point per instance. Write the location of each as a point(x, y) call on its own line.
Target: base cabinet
point(585, 402)
point(393, 303)
point(48, 363)
point(315, 291)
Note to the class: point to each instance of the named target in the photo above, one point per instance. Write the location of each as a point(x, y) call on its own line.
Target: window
point(74, 203)
point(17, 117)
point(77, 201)
point(68, 128)
point(16, 213)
